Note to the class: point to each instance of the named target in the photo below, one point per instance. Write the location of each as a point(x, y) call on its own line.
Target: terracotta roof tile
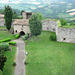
point(21, 22)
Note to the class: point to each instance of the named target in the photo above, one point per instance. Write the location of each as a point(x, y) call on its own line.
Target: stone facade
point(65, 34)
point(48, 25)
point(2, 22)
point(19, 28)
point(26, 15)
point(21, 25)
point(1, 16)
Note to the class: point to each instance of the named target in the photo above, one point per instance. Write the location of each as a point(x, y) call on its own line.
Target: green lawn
point(11, 56)
point(46, 57)
point(2, 27)
point(6, 34)
point(8, 68)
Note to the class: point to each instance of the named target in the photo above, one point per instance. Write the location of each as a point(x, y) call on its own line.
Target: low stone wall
point(65, 34)
point(2, 22)
point(48, 25)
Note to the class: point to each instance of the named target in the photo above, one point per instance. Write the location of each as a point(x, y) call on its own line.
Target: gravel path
point(20, 58)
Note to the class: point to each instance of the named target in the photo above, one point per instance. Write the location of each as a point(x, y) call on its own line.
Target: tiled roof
point(21, 22)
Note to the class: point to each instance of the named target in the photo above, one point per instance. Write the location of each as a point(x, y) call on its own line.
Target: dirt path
point(20, 58)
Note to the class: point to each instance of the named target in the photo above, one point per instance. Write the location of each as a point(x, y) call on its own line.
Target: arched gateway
point(22, 33)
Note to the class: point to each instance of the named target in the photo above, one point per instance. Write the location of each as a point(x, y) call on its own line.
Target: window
point(64, 38)
point(22, 25)
point(16, 31)
point(53, 29)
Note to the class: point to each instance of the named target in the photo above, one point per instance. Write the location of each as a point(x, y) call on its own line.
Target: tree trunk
point(35, 37)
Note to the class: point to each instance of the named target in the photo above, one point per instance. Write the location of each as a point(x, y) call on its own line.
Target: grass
point(46, 57)
point(66, 26)
point(8, 68)
point(2, 27)
point(71, 26)
point(6, 34)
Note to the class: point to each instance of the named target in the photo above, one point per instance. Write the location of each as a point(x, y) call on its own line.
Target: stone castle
point(22, 26)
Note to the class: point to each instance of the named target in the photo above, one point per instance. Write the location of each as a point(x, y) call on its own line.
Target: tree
point(15, 16)
point(35, 25)
point(40, 16)
point(8, 16)
point(22, 11)
point(63, 22)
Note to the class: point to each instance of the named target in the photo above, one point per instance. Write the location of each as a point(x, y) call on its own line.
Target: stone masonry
point(49, 25)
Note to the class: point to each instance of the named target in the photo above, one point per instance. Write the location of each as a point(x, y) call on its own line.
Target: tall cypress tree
point(8, 16)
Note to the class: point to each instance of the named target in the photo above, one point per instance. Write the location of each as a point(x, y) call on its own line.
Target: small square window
point(22, 25)
point(64, 38)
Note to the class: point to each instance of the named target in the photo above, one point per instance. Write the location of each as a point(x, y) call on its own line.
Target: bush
point(4, 46)
point(14, 64)
point(53, 37)
point(73, 23)
point(25, 37)
point(0, 72)
point(17, 36)
point(5, 40)
point(2, 59)
point(12, 43)
point(63, 22)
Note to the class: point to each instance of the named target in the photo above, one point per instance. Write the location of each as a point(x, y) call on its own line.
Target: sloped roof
point(21, 22)
point(1, 15)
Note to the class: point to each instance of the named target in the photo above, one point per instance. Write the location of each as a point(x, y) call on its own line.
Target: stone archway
point(22, 33)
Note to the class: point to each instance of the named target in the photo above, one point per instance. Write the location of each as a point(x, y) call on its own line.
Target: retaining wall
point(48, 25)
point(65, 34)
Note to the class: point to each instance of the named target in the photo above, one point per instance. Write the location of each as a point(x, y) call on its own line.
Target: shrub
point(17, 36)
point(53, 37)
point(4, 46)
point(14, 64)
point(0, 72)
point(2, 59)
point(12, 43)
point(63, 22)
point(5, 40)
point(73, 23)
point(26, 62)
point(25, 37)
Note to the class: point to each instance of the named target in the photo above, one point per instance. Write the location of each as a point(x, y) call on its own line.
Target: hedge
point(0, 72)
point(25, 37)
point(5, 40)
point(53, 37)
point(17, 36)
point(12, 43)
point(4, 46)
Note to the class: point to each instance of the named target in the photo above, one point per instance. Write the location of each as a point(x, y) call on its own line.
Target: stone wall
point(19, 28)
point(2, 22)
point(48, 25)
point(24, 15)
point(65, 34)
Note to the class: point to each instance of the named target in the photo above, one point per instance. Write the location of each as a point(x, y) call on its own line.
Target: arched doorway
point(22, 33)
